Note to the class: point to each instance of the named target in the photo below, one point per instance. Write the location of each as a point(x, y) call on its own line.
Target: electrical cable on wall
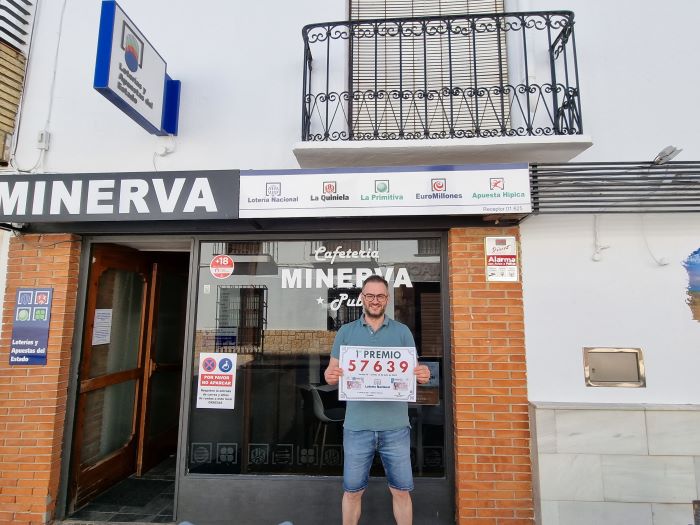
point(164, 150)
point(661, 261)
point(597, 246)
point(44, 135)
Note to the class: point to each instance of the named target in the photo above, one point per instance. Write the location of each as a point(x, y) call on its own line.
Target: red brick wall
point(33, 398)
point(492, 432)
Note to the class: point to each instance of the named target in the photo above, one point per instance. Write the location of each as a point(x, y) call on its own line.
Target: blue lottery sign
point(30, 327)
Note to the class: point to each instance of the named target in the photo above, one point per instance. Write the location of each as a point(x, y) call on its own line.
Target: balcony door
point(420, 80)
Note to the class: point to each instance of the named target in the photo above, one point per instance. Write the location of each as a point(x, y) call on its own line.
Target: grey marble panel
point(600, 432)
point(546, 432)
point(550, 513)
point(654, 479)
point(672, 514)
point(674, 433)
point(604, 513)
point(576, 477)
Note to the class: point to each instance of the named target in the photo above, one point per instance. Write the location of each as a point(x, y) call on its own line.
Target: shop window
point(280, 319)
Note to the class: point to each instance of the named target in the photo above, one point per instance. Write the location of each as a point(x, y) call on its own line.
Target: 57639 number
point(376, 366)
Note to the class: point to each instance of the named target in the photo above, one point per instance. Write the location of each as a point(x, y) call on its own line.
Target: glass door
point(111, 371)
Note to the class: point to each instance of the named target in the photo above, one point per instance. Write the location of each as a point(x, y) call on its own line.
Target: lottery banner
point(216, 387)
point(377, 373)
point(30, 326)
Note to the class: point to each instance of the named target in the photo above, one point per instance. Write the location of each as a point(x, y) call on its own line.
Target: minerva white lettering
point(168, 202)
point(200, 196)
point(38, 204)
point(61, 195)
point(101, 196)
point(133, 191)
point(15, 200)
point(95, 196)
point(343, 277)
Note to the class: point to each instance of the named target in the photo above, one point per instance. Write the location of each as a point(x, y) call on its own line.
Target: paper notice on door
point(102, 326)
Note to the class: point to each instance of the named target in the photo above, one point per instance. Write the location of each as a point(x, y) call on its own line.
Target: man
point(375, 426)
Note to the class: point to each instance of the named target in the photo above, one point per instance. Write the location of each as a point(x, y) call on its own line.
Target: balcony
point(441, 90)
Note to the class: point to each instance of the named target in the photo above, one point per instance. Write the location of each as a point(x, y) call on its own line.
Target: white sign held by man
point(377, 373)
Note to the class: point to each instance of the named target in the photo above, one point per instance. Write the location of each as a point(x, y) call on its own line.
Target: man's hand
point(334, 372)
point(422, 374)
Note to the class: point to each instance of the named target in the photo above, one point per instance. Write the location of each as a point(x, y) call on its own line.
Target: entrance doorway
point(130, 371)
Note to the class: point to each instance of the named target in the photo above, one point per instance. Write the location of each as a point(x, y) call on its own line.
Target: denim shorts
point(394, 447)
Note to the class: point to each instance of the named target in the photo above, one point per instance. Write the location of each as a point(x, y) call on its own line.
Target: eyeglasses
point(371, 297)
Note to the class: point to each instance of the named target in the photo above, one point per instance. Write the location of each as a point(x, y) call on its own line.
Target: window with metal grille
point(242, 316)
point(344, 306)
point(428, 246)
point(416, 77)
point(16, 18)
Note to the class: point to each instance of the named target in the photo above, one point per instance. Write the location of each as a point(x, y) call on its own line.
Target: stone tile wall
point(616, 464)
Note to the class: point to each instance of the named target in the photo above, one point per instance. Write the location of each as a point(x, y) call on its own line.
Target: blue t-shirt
point(374, 415)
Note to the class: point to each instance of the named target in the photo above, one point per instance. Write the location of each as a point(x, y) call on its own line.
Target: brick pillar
point(492, 432)
point(33, 398)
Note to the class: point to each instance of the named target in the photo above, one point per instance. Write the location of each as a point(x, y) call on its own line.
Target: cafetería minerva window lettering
point(342, 277)
point(125, 196)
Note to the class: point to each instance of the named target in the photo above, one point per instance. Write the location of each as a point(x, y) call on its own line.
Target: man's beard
point(374, 316)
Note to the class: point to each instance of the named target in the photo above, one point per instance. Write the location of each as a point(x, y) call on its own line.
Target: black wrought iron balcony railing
point(490, 75)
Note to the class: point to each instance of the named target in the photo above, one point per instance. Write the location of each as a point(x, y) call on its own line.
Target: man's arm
point(333, 372)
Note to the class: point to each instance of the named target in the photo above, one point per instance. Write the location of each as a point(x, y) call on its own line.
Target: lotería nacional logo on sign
point(133, 48)
point(273, 189)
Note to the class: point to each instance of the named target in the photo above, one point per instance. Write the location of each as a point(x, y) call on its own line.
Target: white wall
point(625, 299)
point(240, 64)
point(636, 75)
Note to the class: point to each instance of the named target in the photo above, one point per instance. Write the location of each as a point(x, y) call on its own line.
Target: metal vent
point(616, 187)
point(16, 18)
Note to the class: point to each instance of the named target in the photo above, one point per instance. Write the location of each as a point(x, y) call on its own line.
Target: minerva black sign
point(173, 195)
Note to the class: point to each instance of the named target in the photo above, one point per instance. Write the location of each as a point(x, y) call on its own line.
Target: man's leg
point(402, 505)
point(352, 507)
point(394, 448)
point(358, 452)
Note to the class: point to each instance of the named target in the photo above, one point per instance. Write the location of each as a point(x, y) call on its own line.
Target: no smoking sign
point(221, 266)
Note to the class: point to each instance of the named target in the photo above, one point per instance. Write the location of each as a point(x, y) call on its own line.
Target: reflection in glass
point(121, 292)
point(279, 312)
point(109, 418)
